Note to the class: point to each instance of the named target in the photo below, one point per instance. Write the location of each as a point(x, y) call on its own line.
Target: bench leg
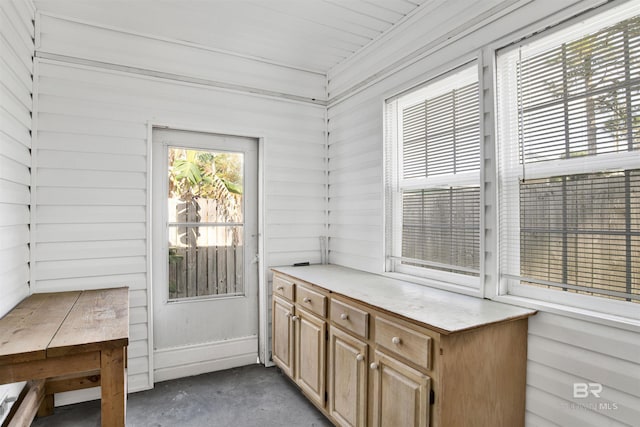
point(113, 379)
point(47, 406)
point(28, 407)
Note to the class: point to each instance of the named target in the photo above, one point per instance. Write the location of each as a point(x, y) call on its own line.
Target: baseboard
point(179, 362)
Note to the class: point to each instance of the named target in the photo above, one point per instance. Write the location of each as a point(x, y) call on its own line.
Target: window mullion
point(565, 103)
point(426, 138)
point(627, 78)
point(454, 128)
point(565, 237)
point(627, 217)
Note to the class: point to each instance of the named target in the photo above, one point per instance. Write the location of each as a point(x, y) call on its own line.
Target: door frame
point(263, 297)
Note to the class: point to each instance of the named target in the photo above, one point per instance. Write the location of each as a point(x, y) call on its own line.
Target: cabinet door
point(347, 379)
point(282, 335)
point(400, 394)
point(310, 355)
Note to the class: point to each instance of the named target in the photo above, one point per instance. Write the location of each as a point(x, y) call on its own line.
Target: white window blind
point(440, 134)
point(437, 192)
point(440, 228)
point(569, 138)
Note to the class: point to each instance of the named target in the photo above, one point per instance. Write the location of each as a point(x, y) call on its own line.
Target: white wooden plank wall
point(356, 173)
point(87, 42)
point(16, 85)
point(16, 69)
point(91, 172)
point(562, 350)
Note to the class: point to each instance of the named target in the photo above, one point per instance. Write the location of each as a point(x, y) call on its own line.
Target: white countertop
point(445, 311)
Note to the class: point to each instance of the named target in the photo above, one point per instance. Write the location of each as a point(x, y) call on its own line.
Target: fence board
point(231, 271)
point(201, 266)
point(212, 281)
point(240, 269)
point(222, 274)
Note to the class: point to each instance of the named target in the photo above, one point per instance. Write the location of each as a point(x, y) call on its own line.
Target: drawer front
point(311, 300)
point(405, 342)
point(283, 287)
point(350, 318)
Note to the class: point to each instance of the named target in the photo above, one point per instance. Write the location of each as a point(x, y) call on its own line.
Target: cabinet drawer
point(405, 342)
point(350, 318)
point(283, 287)
point(311, 300)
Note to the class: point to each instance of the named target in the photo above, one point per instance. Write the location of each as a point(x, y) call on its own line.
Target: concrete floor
point(241, 397)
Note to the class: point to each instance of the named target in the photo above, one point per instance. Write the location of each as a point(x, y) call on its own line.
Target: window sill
point(432, 283)
point(606, 319)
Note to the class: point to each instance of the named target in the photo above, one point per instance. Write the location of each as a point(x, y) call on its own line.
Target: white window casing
point(433, 181)
point(568, 108)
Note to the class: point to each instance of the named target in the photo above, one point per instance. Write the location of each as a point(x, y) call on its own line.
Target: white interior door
point(205, 245)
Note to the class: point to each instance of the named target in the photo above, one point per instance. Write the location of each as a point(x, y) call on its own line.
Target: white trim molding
point(197, 359)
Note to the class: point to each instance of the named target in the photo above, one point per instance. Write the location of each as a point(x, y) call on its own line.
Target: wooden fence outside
point(204, 260)
point(205, 270)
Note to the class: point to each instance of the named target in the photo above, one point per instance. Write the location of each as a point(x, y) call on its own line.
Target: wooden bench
point(67, 341)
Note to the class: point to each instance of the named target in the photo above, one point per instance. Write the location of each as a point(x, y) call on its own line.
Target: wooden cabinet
point(282, 335)
point(372, 351)
point(299, 336)
point(403, 341)
point(310, 353)
point(350, 318)
point(348, 373)
point(283, 288)
point(400, 394)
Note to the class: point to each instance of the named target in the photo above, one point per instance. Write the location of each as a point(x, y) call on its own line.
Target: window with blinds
point(569, 142)
point(436, 186)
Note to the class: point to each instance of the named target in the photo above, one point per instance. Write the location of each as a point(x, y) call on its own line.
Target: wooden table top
point(60, 323)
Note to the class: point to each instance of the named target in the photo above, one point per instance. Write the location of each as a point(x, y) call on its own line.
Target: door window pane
point(205, 223)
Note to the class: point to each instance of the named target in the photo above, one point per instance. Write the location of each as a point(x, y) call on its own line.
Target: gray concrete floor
point(241, 397)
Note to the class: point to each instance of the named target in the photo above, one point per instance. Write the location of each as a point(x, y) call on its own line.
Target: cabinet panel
point(282, 335)
point(347, 379)
point(310, 355)
point(350, 318)
point(410, 344)
point(283, 287)
point(311, 300)
point(400, 394)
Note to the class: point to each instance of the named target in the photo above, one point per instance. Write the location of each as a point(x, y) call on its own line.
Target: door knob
point(359, 357)
point(373, 366)
point(344, 316)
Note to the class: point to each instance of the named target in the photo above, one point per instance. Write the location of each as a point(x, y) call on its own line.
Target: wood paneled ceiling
point(312, 35)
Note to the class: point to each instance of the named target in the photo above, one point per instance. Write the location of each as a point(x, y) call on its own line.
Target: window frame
point(506, 290)
point(396, 183)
